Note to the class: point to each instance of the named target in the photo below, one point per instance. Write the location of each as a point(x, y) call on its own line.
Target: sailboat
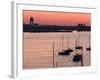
point(69, 49)
point(78, 47)
point(78, 57)
point(65, 52)
point(89, 48)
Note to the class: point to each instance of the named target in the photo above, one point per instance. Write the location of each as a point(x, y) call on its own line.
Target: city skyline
point(57, 18)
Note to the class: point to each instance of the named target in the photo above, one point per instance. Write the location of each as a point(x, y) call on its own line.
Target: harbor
point(56, 49)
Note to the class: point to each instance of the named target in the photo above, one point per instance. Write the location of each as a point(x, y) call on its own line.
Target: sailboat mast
point(76, 45)
point(82, 57)
point(68, 42)
point(53, 56)
point(62, 40)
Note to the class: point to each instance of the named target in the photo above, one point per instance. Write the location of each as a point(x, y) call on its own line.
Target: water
point(39, 51)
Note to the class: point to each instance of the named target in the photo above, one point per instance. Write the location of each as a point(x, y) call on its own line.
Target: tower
point(31, 20)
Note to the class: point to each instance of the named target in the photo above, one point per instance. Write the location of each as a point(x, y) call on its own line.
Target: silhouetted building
point(80, 25)
point(31, 20)
point(84, 25)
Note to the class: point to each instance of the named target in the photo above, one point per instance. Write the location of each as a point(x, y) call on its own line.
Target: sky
point(57, 18)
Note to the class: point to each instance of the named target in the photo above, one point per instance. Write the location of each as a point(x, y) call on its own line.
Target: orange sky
point(57, 18)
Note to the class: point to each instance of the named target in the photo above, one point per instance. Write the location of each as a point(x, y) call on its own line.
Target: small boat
point(78, 47)
point(64, 53)
point(88, 49)
point(77, 58)
point(68, 50)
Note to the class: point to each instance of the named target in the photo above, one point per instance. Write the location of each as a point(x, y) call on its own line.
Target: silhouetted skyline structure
point(31, 20)
point(35, 27)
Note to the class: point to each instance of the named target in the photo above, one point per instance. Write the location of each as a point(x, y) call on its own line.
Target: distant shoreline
point(53, 28)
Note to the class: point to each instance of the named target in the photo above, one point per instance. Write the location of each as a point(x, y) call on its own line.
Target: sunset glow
point(57, 18)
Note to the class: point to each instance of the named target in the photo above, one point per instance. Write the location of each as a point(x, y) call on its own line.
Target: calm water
point(38, 49)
